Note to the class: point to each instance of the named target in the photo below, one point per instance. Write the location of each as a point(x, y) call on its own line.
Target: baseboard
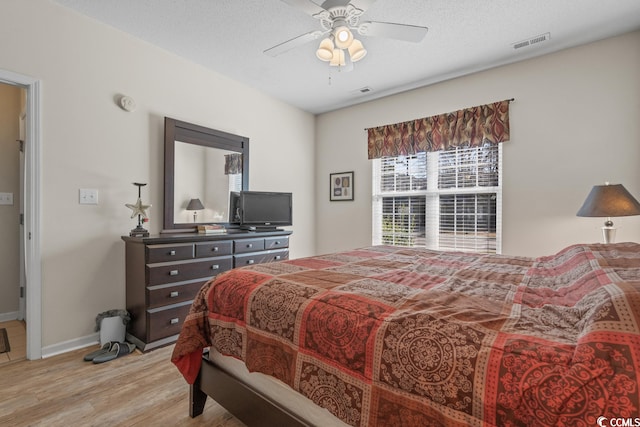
point(62, 347)
point(74, 344)
point(6, 317)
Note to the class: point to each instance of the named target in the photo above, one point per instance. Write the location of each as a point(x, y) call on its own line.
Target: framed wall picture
point(341, 186)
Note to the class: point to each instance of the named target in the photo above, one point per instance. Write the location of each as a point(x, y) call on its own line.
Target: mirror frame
point(176, 130)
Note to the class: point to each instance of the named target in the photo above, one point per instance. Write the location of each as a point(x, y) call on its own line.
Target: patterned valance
point(471, 127)
point(232, 163)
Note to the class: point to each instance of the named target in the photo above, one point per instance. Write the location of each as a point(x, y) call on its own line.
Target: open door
point(22, 310)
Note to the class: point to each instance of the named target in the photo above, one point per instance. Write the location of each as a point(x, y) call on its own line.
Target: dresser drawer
point(167, 321)
point(276, 242)
point(250, 259)
point(166, 253)
point(170, 272)
point(261, 257)
point(276, 255)
point(162, 295)
point(209, 249)
point(248, 245)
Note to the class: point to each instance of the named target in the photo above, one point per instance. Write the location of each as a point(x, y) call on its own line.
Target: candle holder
point(139, 209)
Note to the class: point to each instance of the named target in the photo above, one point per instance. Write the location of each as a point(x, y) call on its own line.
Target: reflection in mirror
point(201, 165)
point(207, 174)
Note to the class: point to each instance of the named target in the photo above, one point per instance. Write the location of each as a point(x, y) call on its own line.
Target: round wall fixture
point(127, 103)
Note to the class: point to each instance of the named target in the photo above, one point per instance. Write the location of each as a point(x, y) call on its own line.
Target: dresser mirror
point(204, 164)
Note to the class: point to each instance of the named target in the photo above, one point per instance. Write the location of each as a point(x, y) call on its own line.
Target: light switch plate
point(88, 196)
point(6, 198)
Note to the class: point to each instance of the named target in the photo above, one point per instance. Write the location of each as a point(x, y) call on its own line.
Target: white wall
point(88, 142)
point(10, 97)
point(575, 123)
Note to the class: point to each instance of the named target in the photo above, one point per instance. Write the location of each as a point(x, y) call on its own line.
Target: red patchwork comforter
point(388, 336)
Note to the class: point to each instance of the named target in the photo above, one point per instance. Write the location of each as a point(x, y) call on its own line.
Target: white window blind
point(235, 182)
point(446, 200)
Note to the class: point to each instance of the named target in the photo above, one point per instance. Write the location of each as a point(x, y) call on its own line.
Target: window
point(447, 200)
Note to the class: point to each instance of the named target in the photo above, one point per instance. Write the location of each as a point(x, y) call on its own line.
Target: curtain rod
point(510, 100)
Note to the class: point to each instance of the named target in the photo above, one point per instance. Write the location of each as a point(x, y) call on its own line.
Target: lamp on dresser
point(609, 201)
point(195, 205)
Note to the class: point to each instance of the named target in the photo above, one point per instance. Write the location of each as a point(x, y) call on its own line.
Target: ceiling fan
point(337, 20)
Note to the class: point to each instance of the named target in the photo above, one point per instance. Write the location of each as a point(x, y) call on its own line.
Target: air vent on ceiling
point(533, 40)
point(365, 89)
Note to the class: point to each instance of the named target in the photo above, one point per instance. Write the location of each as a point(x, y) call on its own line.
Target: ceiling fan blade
point(410, 33)
point(307, 6)
point(293, 43)
point(328, 4)
point(348, 64)
point(362, 5)
point(346, 68)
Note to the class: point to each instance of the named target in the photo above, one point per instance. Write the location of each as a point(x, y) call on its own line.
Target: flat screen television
point(261, 210)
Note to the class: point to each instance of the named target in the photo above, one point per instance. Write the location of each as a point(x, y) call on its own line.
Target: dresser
point(165, 272)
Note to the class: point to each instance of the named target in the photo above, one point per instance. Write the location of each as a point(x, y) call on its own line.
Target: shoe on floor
point(105, 349)
point(117, 349)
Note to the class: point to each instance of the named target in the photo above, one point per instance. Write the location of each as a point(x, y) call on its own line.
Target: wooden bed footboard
point(248, 405)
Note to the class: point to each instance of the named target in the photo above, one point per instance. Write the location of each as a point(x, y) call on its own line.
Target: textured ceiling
point(465, 36)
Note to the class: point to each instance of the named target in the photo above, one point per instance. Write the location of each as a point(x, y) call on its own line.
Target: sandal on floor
point(118, 349)
point(105, 349)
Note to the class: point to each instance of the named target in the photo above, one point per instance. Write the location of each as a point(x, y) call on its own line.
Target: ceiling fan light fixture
point(357, 51)
point(343, 37)
point(325, 50)
point(338, 58)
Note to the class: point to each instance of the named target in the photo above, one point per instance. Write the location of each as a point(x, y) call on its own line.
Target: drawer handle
point(215, 267)
point(173, 273)
point(249, 261)
point(215, 249)
point(174, 321)
point(174, 294)
point(172, 253)
point(277, 242)
point(249, 245)
point(277, 257)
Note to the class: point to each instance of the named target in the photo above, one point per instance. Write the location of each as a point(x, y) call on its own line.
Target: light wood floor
point(17, 334)
point(133, 390)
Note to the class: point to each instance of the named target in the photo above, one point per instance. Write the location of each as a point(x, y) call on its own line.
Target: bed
point(383, 336)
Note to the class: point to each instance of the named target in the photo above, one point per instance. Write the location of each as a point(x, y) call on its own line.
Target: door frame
point(22, 305)
point(32, 209)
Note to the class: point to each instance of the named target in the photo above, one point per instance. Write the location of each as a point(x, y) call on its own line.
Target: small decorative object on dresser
point(141, 211)
point(165, 272)
point(341, 186)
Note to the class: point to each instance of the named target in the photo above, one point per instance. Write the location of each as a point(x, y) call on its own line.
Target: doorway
point(30, 235)
point(12, 327)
